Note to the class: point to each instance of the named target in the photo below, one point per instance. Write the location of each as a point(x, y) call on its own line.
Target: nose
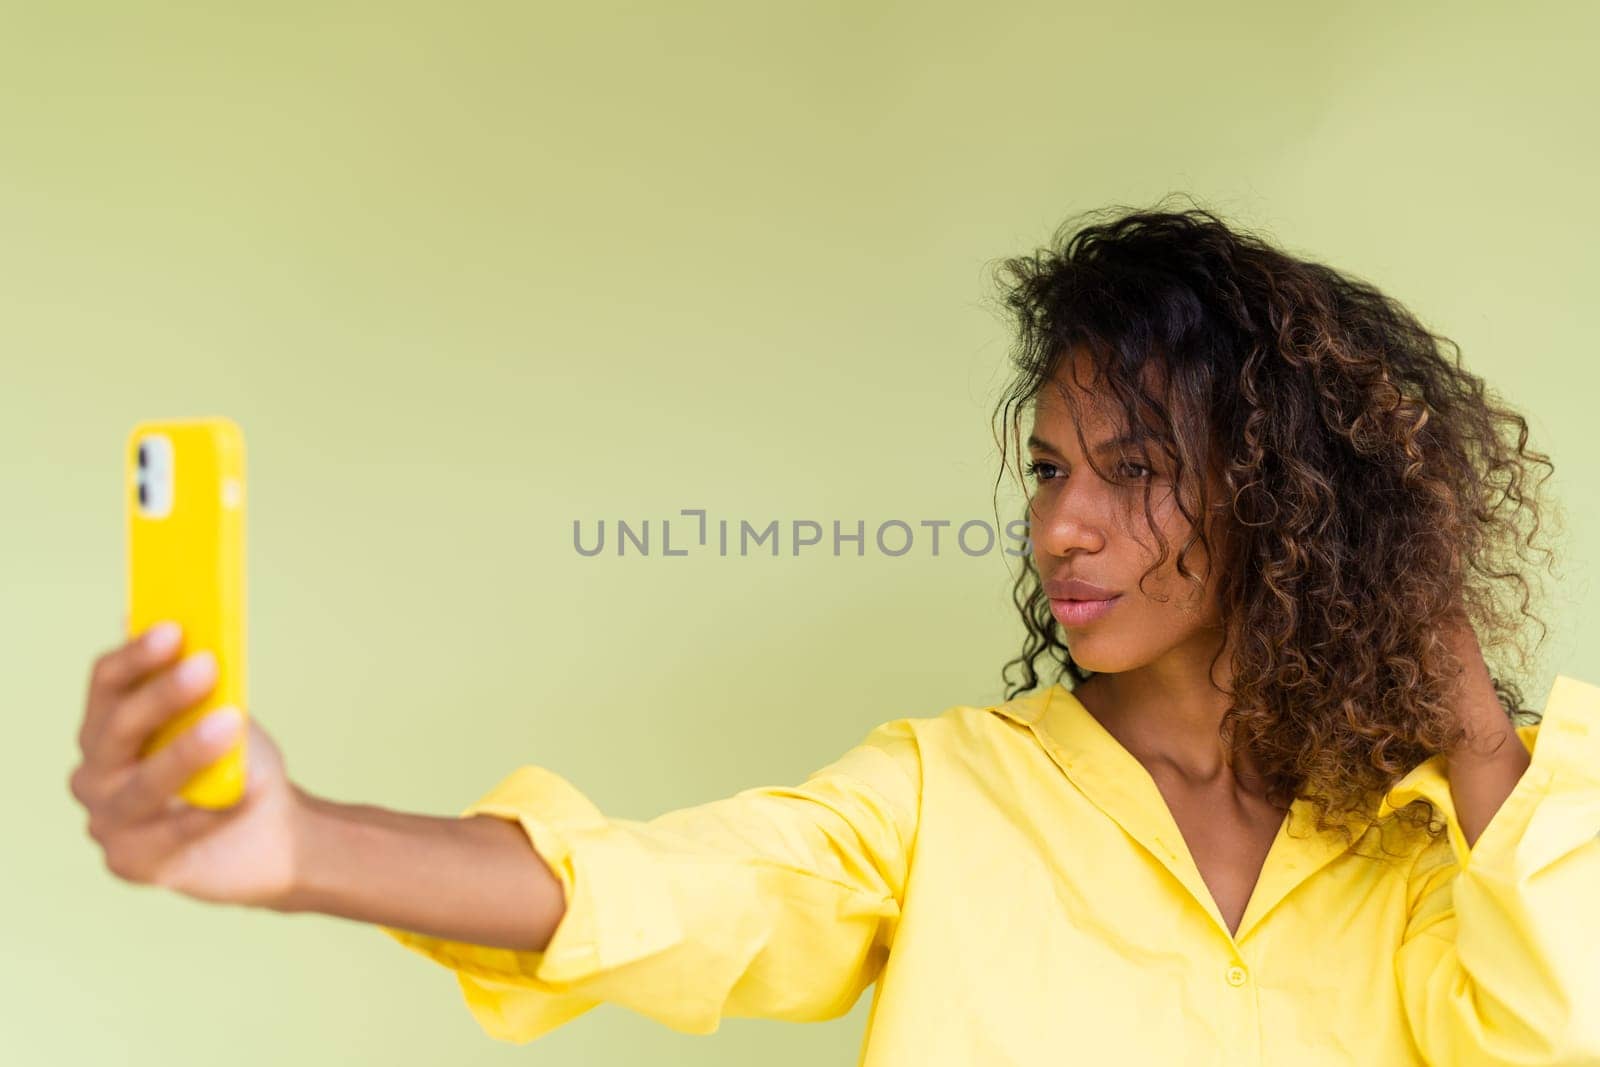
point(1058, 525)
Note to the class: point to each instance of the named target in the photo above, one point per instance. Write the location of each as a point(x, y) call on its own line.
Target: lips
point(1072, 613)
point(1076, 589)
point(1076, 602)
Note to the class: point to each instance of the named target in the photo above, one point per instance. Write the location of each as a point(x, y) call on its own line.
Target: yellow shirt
point(1012, 880)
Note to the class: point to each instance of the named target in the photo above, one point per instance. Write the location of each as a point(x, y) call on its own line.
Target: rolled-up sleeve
point(1500, 961)
point(777, 902)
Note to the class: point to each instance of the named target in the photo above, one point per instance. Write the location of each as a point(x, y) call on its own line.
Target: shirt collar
point(1114, 780)
point(1088, 748)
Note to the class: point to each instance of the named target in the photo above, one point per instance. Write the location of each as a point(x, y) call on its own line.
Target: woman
point(1273, 809)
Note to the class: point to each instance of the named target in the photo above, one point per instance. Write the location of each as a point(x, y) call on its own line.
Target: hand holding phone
point(243, 854)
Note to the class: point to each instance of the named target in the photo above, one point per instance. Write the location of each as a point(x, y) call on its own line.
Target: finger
point(157, 699)
point(140, 852)
point(118, 670)
point(156, 779)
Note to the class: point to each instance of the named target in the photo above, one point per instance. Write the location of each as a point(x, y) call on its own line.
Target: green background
point(466, 273)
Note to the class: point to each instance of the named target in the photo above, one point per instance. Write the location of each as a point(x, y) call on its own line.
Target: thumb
point(263, 761)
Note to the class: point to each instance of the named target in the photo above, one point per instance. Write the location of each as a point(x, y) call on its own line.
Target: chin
point(1100, 656)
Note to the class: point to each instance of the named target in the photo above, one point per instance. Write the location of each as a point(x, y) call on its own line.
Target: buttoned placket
point(1122, 788)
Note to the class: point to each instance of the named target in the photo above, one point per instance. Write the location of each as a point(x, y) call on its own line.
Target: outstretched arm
point(778, 902)
point(474, 879)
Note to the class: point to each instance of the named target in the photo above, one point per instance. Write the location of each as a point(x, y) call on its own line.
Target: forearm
point(1483, 771)
point(1479, 785)
point(476, 880)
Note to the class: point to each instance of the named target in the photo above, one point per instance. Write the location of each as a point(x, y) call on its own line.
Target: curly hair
point(1373, 488)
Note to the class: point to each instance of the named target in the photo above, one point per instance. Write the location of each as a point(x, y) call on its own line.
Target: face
point(1094, 529)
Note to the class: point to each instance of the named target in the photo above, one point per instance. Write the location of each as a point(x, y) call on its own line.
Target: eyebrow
point(1131, 438)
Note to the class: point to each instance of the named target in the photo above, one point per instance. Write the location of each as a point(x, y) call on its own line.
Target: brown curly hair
point(1374, 488)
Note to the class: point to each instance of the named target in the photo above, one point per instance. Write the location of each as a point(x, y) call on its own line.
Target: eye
point(1040, 471)
point(1137, 471)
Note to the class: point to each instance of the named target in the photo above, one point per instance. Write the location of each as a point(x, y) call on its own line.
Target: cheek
point(1145, 543)
point(1171, 602)
point(1138, 632)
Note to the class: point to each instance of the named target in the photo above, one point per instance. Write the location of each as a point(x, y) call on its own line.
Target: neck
point(1167, 715)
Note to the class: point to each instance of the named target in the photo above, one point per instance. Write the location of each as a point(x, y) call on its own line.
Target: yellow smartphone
point(185, 506)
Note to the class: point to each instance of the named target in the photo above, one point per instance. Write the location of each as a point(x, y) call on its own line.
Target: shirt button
point(1237, 975)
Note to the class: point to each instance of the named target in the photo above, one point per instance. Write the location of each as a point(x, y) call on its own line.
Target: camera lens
point(144, 496)
point(143, 457)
